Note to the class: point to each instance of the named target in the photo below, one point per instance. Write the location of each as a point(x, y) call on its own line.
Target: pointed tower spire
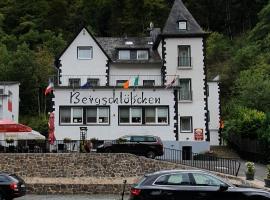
point(181, 22)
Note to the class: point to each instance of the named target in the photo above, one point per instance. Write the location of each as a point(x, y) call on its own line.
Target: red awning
point(11, 126)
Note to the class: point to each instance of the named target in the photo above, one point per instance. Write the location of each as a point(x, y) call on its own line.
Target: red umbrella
point(11, 126)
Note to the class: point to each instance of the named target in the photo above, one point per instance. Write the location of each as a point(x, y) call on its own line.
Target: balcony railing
point(184, 61)
point(88, 81)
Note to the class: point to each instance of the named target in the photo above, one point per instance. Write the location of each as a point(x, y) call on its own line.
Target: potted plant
point(9, 140)
point(67, 140)
point(250, 170)
point(267, 180)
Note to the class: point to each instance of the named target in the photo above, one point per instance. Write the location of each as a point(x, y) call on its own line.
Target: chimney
point(154, 32)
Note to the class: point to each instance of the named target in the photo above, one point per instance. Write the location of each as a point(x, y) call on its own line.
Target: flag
point(131, 82)
point(49, 88)
point(171, 83)
point(51, 128)
point(86, 85)
point(126, 84)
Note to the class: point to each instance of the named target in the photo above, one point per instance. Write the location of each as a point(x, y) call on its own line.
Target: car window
point(150, 139)
point(125, 138)
point(137, 139)
point(173, 179)
point(3, 178)
point(206, 180)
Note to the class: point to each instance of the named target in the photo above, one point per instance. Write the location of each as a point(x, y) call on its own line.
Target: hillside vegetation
point(33, 32)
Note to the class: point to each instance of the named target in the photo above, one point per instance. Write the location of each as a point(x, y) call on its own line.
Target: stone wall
point(80, 165)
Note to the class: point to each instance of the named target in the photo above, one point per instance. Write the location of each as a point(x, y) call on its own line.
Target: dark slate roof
point(111, 45)
point(180, 13)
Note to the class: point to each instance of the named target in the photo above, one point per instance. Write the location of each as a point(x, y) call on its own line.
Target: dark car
point(11, 186)
point(191, 185)
point(146, 145)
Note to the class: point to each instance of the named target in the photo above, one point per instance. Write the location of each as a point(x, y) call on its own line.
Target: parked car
point(146, 145)
point(191, 184)
point(11, 186)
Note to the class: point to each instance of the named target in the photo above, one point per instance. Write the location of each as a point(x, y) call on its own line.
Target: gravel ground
point(72, 197)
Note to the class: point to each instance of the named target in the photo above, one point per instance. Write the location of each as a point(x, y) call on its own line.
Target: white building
point(169, 99)
point(9, 100)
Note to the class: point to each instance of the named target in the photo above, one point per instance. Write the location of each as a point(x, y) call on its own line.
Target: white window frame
point(71, 115)
point(188, 57)
point(121, 57)
point(73, 85)
point(97, 116)
point(142, 51)
point(190, 90)
point(156, 116)
point(130, 116)
point(85, 48)
point(182, 25)
point(190, 124)
point(93, 79)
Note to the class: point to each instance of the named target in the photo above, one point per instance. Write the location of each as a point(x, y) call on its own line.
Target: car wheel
point(151, 154)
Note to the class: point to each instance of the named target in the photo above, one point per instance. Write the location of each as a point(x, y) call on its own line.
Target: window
point(97, 115)
point(173, 179)
point(162, 115)
point(124, 115)
point(71, 115)
point(85, 53)
point(130, 115)
point(124, 55)
point(120, 82)
point(65, 115)
point(149, 83)
point(184, 59)
point(182, 25)
point(152, 115)
point(206, 180)
point(186, 124)
point(93, 82)
point(74, 82)
point(142, 55)
point(136, 115)
point(77, 115)
point(74, 115)
point(185, 90)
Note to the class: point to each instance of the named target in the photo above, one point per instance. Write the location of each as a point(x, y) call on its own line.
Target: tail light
point(13, 186)
point(135, 192)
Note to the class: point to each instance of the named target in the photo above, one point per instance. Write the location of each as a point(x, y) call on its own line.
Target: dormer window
point(124, 54)
point(182, 25)
point(85, 52)
point(142, 55)
point(128, 43)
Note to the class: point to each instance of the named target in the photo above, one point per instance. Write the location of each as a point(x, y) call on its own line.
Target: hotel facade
point(153, 85)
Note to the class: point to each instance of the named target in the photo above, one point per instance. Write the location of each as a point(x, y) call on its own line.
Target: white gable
point(72, 65)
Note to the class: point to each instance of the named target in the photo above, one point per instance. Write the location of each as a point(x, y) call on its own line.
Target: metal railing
point(208, 162)
point(113, 80)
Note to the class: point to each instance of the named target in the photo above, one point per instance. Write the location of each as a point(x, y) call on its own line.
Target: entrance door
point(186, 152)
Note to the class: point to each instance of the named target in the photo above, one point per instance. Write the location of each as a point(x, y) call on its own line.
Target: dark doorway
point(186, 152)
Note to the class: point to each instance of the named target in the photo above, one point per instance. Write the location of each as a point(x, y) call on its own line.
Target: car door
point(209, 188)
point(175, 186)
point(122, 145)
point(137, 145)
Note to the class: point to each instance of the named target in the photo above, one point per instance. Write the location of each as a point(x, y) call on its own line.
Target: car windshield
point(139, 181)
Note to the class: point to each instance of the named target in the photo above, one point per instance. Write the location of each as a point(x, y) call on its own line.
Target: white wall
point(113, 130)
point(214, 111)
point(127, 71)
point(4, 112)
point(71, 66)
point(194, 108)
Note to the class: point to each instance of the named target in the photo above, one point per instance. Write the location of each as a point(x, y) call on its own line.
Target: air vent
point(128, 43)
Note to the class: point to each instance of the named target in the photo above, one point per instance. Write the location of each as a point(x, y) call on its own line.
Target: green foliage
point(250, 168)
point(37, 123)
point(245, 122)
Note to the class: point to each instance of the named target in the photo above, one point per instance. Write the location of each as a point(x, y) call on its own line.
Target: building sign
point(121, 98)
point(198, 134)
